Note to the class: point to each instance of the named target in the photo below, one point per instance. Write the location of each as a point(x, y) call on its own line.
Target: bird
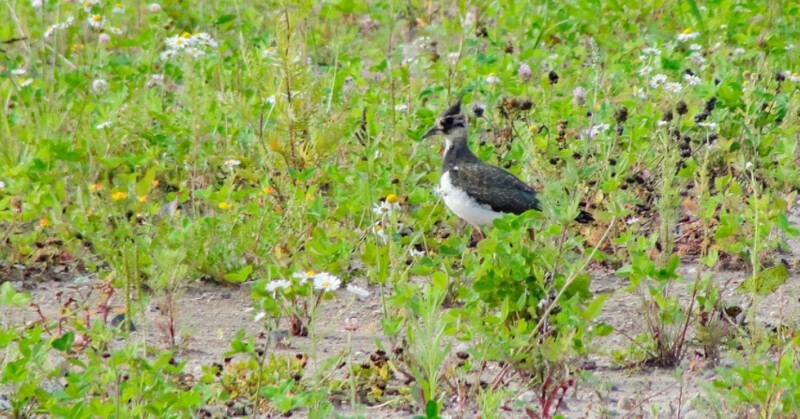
point(475, 191)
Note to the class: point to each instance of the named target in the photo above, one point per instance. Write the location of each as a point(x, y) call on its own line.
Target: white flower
point(652, 51)
point(196, 52)
point(794, 78)
point(452, 58)
point(96, 21)
point(378, 230)
point(492, 79)
point(710, 125)
point(645, 71)
point(691, 79)
point(154, 8)
point(359, 292)
point(104, 38)
point(385, 208)
point(401, 107)
point(2, 185)
point(695, 47)
point(673, 87)
point(304, 276)
point(269, 52)
point(414, 253)
point(748, 166)
point(88, 4)
point(115, 30)
point(639, 93)
point(205, 39)
point(789, 47)
point(36, 4)
point(155, 80)
point(687, 36)
point(658, 80)
point(118, 9)
point(276, 284)
point(633, 220)
point(18, 71)
point(270, 100)
point(104, 125)
point(99, 85)
point(697, 58)
point(662, 123)
point(25, 82)
point(738, 51)
point(166, 55)
point(230, 164)
point(326, 282)
point(596, 129)
point(50, 31)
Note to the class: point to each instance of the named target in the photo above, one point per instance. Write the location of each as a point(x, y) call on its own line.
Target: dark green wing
point(493, 186)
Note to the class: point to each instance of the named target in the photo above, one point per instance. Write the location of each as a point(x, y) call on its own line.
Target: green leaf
point(64, 343)
point(10, 297)
point(431, 410)
point(766, 281)
point(224, 19)
point(240, 275)
point(146, 183)
point(696, 13)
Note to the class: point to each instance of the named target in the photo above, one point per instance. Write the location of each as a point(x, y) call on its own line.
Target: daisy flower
point(99, 85)
point(691, 79)
point(18, 71)
point(695, 47)
point(96, 21)
point(658, 80)
point(304, 276)
point(673, 87)
point(103, 125)
point(277, 284)
point(326, 282)
point(359, 292)
point(230, 164)
point(687, 35)
point(492, 79)
point(652, 51)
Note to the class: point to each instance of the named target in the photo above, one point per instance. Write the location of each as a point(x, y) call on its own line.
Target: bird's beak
point(431, 132)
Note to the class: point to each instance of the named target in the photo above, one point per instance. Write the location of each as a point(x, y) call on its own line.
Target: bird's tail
point(584, 217)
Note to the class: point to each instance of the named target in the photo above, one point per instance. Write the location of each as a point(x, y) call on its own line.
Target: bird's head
point(450, 124)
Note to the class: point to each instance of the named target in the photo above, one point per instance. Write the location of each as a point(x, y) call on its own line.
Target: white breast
point(465, 207)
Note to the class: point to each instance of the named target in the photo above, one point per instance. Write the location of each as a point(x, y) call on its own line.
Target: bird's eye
point(447, 121)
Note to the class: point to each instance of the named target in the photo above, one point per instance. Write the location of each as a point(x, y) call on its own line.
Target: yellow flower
point(44, 222)
point(186, 35)
point(77, 47)
point(97, 18)
point(687, 30)
point(310, 198)
point(274, 146)
point(116, 196)
point(155, 183)
point(268, 190)
point(224, 205)
point(392, 198)
point(142, 198)
point(95, 187)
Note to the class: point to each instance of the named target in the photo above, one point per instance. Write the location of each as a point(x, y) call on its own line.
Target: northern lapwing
point(475, 191)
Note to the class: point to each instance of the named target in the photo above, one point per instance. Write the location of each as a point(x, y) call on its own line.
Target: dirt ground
point(211, 314)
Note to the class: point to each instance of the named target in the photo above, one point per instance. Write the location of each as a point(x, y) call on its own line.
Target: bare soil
point(210, 314)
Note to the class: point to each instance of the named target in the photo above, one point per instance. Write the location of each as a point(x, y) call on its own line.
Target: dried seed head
point(780, 77)
point(667, 116)
point(621, 115)
point(553, 77)
point(681, 108)
point(477, 110)
point(711, 104)
point(702, 116)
